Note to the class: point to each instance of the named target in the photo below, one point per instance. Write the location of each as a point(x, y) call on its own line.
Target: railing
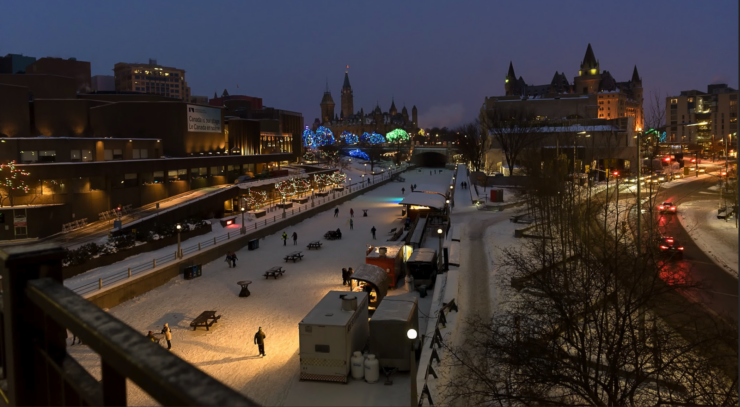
point(38, 310)
point(436, 344)
point(215, 241)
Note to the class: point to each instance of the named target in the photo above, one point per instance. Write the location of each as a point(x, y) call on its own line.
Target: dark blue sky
point(444, 57)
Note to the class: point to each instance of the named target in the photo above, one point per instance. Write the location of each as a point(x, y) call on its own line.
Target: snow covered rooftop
point(329, 310)
point(392, 250)
point(441, 189)
point(394, 309)
point(422, 255)
point(424, 199)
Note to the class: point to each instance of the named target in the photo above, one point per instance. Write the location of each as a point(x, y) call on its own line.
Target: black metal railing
point(37, 311)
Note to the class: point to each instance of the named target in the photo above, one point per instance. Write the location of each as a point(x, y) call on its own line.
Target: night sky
point(444, 57)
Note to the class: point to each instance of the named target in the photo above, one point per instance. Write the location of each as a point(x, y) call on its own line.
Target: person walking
point(336, 212)
point(344, 276)
point(403, 191)
point(351, 224)
point(412, 187)
point(373, 232)
point(295, 238)
point(285, 239)
point(167, 335)
point(351, 213)
point(228, 259)
point(233, 259)
point(259, 340)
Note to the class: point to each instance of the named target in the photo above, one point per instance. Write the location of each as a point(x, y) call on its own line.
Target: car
point(670, 246)
point(667, 207)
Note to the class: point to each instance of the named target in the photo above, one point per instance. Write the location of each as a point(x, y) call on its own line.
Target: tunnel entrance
point(430, 159)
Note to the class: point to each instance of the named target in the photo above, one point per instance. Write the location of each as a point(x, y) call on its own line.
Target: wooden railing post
point(154, 263)
point(100, 283)
point(129, 272)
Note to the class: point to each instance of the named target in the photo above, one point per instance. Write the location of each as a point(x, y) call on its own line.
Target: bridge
point(432, 156)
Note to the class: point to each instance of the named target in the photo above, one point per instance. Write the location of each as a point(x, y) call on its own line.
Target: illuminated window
point(28, 157)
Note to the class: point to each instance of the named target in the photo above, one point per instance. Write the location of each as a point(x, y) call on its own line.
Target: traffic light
point(615, 173)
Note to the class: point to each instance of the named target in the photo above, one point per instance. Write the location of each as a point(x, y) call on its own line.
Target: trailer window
point(321, 348)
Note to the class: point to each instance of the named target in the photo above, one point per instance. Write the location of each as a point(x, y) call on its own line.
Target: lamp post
point(350, 185)
point(363, 180)
point(284, 215)
point(244, 227)
point(179, 251)
point(365, 168)
point(439, 257)
point(411, 334)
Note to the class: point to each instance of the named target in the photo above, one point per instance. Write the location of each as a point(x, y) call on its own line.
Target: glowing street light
point(412, 334)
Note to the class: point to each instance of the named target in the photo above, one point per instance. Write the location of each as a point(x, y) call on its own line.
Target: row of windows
point(49, 156)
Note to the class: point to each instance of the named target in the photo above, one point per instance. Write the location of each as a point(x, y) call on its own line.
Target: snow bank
point(716, 237)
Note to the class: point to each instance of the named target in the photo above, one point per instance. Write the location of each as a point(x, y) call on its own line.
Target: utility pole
point(639, 181)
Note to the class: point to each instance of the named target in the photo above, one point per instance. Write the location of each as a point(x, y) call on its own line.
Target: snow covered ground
point(227, 351)
point(717, 238)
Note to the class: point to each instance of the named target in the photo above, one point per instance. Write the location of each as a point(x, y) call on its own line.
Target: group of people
point(259, 337)
point(347, 276)
point(285, 238)
point(167, 336)
point(231, 259)
point(464, 185)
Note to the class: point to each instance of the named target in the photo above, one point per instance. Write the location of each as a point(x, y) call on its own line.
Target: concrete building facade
point(103, 83)
point(151, 78)
point(78, 70)
point(712, 116)
point(15, 63)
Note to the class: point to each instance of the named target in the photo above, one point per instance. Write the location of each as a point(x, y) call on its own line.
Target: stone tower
point(510, 80)
point(405, 114)
point(414, 116)
point(347, 102)
point(393, 111)
point(589, 76)
point(327, 106)
point(378, 114)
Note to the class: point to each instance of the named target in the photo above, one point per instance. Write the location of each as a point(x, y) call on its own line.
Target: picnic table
point(245, 288)
point(206, 319)
point(364, 213)
point(294, 256)
point(314, 245)
point(274, 272)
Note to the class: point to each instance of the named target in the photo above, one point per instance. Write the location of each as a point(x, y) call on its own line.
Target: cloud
point(442, 116)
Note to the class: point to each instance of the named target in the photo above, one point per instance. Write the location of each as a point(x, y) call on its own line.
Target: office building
point(15, 63)
point(698, 119)
point(151, 78)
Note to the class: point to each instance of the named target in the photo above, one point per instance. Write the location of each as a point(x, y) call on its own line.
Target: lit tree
point(255, 199)
point(11, 181)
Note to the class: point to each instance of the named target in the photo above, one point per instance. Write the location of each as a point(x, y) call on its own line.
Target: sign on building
point(204, 119)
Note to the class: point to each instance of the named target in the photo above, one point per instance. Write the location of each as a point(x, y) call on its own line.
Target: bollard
point(154, 263)
point(129, 272)
point(255, 225)
point(273, 218)
point(292, 211)
point(214, 241)
point(100, 284)
point(198, 246)
point(228, 235)
point(265, 221)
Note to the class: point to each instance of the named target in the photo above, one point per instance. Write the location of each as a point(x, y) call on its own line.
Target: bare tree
point(573, 328)
point(512, 129)
point(473, 142)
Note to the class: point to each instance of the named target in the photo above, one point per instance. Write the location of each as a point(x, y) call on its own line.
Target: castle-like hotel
point(359, 122)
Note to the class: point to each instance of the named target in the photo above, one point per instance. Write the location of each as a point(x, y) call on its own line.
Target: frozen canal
point(227, 351)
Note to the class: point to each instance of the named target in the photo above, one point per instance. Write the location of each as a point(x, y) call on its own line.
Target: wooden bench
point(206, 319)
point(314, 245)
point(274, 272)
point(294, 256)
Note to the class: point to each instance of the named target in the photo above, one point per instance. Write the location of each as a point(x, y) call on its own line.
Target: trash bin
point(193, 272)
point(422, 291)
point(253, 244)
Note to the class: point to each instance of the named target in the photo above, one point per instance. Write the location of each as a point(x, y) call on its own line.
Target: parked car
point(667, 207)
point(243, 178)
point(670, 246)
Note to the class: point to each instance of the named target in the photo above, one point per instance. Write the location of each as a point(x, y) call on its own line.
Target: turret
point(347, 97)
point(414, 116)
point(405, 114)
point(393, 111)
point(589, 74)
point(509, 85)
point(327, 105)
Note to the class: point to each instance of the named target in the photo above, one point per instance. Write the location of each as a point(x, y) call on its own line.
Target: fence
point(113, 213)
point(68, 227)
point(215, 241)
point(435, 345)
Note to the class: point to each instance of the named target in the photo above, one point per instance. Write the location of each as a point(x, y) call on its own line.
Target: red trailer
point(389, 257)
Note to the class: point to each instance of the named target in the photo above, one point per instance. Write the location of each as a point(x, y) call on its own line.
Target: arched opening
point(429, 159)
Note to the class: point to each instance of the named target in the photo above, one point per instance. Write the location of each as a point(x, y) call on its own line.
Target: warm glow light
point(411, 334)
point(439, 231)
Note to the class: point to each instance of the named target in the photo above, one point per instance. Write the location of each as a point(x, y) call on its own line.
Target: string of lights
point(10, 177)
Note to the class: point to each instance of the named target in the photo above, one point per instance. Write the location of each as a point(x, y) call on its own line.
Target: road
point(719, 291)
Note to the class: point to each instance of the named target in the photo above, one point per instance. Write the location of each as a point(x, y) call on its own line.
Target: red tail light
point(680, 248)
point(673, 208)
point(661, 207)
point(663, 247)
point(669, 240)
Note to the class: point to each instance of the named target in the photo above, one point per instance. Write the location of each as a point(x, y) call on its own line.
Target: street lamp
point(244, 227)
point(365, 168)
point(284, 215)
point(439, 257)
point(412, 334)
point(179, 251)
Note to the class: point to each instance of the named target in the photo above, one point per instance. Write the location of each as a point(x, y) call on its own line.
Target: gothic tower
point(405, 114)
point(393, 111)
point(589, 76)
point(347, 104)
point(378, 114)
point(510, 84)
point(636, 86)
point(327, 106)
point(414, 116)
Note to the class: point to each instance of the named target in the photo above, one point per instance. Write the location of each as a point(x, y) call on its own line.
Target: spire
point(393, 103)
point(589, 60)
point(215, 95)
point(635, 76)
point(226, 93)
point(511, 70)
point(346, 84)
point(327, 85)
point(555, 78)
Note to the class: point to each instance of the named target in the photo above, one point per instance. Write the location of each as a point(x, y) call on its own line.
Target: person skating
point(285, 239)
point(167, 335)
point(351, 213)
point(233, 259)
point(344, 276)
point(403, 191)
point(336, 212)
point(259, 340)
point(295, 238)
point(373, 231)
point(351, 224)
point(228, 259)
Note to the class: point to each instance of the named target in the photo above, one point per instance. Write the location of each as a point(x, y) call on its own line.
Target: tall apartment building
point(713, 113)
point(151, 78)
point(79, 70)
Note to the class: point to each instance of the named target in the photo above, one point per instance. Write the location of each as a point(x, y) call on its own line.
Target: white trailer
point(335, 327)
point(388, 328)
